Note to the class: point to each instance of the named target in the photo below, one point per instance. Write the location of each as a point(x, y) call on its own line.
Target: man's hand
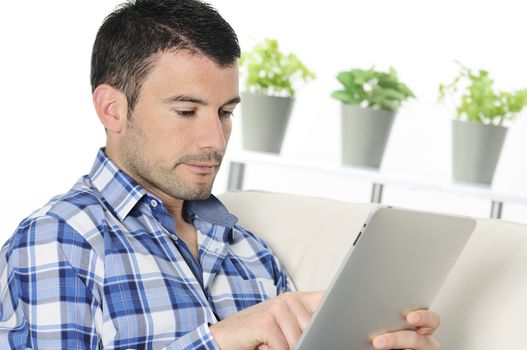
point(273, 324)
point(426, 323)
point(278, 324)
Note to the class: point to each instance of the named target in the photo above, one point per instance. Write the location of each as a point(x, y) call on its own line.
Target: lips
point(203, 165)
point(202, 168)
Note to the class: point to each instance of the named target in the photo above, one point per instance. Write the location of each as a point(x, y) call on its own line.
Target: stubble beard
point(166, 180)
point(163, 177)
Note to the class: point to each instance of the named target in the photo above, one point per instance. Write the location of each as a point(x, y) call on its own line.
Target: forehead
point(190, 73)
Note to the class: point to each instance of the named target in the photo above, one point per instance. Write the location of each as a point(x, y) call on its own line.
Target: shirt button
point(153, 203)
point(174, 237)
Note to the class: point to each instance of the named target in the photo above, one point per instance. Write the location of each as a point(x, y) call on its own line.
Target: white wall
point(50, 133)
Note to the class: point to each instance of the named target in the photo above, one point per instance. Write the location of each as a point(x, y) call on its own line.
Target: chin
point(199, 192)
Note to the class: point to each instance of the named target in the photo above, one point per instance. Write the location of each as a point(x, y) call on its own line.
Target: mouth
point(202, 168)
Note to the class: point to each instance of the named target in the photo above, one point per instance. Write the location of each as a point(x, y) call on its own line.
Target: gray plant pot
point(264, 121)
point(365, 133)
point(476, 149)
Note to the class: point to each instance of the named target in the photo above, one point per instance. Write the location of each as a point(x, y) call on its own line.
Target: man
point(139, 254)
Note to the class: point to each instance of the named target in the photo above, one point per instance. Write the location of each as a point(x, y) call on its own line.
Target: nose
point(213, 132)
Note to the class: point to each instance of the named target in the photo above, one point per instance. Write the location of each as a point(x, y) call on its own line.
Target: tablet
point(398, 263)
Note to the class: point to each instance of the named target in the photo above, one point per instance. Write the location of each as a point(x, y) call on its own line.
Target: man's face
point(174, 142)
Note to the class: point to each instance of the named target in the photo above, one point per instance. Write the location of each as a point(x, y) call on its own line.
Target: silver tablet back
point(400, 261)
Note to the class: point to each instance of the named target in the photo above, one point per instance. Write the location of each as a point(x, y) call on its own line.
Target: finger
point(299, 309)
point(311, 300)
point(275, 340)
point(287, 321)
point(426, 321)
point(405, 340)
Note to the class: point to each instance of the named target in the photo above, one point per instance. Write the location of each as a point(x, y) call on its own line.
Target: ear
point(111, 107)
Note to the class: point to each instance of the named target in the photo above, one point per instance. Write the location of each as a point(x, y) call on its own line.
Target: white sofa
point(483, 304)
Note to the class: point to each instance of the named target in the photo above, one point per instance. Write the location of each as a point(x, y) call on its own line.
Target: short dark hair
point(124, 49)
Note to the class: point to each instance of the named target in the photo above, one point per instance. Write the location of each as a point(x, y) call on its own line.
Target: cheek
point(227, 128)
point(160, 143)
point(173, 144)
point(165, 134)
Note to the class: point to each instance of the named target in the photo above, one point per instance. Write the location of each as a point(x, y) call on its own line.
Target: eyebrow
point(184, 98)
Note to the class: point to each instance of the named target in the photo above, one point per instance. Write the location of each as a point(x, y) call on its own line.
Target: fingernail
point(380, 342)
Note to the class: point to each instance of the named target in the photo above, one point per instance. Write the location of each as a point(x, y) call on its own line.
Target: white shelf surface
point(378, 177)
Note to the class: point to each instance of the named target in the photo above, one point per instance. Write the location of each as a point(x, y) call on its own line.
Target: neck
point(174, 208)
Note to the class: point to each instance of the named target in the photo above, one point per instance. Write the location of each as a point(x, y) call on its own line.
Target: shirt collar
point(212, 210)
point(122, 193)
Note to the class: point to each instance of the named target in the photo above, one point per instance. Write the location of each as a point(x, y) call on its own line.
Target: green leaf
point(477, 99)
point(372, 88)
point(389, 105)
point(345, 97)
point(267, 70)
point(346, 78)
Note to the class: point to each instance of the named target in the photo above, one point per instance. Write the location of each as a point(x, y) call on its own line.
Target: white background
point(50, 132)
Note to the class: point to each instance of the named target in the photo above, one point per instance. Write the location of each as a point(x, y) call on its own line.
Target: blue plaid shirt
point(101, 267)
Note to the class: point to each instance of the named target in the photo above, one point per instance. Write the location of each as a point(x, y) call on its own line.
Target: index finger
point(311, 299)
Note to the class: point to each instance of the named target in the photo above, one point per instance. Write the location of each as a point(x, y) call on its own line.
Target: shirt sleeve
point(45, 301)
point(270, 260)
point(284, 282)
point(49, 278)
point(199, 339)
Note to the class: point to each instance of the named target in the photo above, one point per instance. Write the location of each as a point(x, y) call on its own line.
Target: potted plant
point(268, 96)
point(480, 127)
point(370, 100)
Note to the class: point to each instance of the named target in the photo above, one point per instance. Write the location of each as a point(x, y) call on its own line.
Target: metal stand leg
point(376, 193)
point(496, 210)
point(236, 173)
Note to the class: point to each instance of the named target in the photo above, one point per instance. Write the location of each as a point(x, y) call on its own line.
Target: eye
point(225, 114)
point(184, 113)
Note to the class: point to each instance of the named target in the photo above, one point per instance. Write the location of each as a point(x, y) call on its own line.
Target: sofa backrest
point(310, 236)
point(483, 304)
